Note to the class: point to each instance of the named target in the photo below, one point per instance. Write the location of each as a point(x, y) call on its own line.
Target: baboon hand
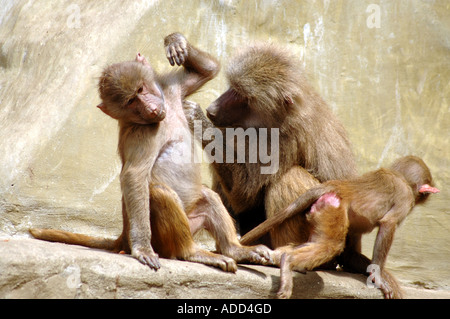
point(191, 110)
point(259, 254)
point(176, 47)
point(388, 292)
point(147, 257)
point(284, 294)
point(190, 105)
point(262, 255)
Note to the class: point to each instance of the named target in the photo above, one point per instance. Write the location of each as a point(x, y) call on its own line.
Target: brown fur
point(279, 95)
point(163, 200)
point(382, 198)
point(268, 89)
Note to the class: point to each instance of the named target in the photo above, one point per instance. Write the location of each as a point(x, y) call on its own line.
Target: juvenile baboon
point(268, 89)
point(163, 200)
point(339, 212)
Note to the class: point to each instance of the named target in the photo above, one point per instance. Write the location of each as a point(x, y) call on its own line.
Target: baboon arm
point(136, 197)
point(199, 66)
point(139, 156)
point(387, 226)
point(298, 206)
point(383, 241)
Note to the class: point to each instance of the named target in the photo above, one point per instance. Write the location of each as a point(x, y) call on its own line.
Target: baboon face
point(230, 109)
point(263, 83)
point(129, 92)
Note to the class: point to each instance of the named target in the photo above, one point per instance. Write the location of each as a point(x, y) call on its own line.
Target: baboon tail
point(298, 206)
point(74, 239)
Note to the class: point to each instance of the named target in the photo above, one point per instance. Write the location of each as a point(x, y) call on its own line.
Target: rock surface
point(31, 268)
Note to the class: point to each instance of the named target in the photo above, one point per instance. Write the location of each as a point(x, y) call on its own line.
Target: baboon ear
point(289, 99)
point(104, 109)
point(425, 188)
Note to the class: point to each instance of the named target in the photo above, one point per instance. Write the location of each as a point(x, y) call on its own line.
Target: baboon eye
point(130, 101)
point(140, 90)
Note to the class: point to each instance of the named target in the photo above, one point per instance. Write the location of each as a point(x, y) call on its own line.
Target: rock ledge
point(31, 268)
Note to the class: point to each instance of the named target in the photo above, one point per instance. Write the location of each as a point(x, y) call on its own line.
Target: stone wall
point(383, 66)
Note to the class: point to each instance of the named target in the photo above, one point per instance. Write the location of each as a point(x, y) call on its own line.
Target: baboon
point(339, 212)
point(163, 200)
point(268, 89)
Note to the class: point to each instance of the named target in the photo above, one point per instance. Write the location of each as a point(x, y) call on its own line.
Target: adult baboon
point(268, 89)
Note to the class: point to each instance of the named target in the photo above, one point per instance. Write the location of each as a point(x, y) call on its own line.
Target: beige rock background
point(387, 79)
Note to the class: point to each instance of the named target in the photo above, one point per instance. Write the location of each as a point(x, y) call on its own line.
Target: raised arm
point(199, 66)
